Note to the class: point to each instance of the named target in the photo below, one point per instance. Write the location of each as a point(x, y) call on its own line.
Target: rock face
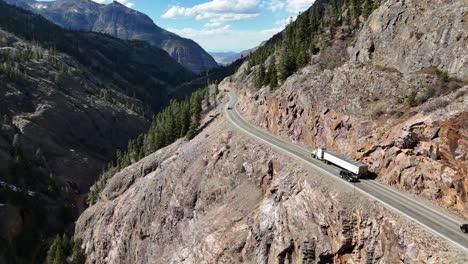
point(412, 35)
point(359, 105)
point(122, 22)
point(223, 198)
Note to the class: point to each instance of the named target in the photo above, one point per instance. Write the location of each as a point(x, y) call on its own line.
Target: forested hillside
point(308, 35)
point(180, 119)
point(68, 101)
point(212, 76)
point(147, 73)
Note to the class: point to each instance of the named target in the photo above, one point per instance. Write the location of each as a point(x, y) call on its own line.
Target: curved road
point(435, 221)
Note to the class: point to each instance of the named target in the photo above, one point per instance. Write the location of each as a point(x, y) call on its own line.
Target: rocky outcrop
point(119, 21)
point(413, 35)
point(385, 104)
point(223, 198)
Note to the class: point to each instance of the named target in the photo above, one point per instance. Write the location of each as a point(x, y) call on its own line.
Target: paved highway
point(430, 218)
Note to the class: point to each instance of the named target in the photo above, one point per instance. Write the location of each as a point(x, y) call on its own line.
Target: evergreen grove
point(309, 34)
point(179, 119)
point(65, 251)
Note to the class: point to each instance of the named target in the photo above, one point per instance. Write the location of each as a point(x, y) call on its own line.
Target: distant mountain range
point(119, 21)
point(226, 58)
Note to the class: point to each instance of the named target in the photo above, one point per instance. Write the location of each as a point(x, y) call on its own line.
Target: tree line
point(179, 119)
point(309, 34)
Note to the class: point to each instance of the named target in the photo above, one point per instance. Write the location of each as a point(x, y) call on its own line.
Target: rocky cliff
point(66, 106)
point(117, 20)
point(224, 198)
point(393, 96)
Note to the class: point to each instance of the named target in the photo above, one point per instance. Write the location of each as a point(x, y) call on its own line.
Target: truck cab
point(318, 153)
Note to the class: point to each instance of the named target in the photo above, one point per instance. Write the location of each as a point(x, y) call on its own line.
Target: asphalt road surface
point(430, 218)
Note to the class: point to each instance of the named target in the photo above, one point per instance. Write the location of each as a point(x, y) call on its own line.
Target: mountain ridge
point(122, 22)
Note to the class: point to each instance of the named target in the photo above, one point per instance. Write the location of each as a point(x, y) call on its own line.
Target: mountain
point(226, 58)
point(119, 21)
point(383, 82)
point(68, 101)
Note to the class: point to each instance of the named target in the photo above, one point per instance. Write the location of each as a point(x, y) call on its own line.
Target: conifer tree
point(287, 64)
point(65, 244)
point(207, 98)
point(302, 58)
point(51, 253)
point(78, 256)
point(60, 256)
point(272, 73)
point(119, 159)
point(368, 8)
point(356, 9)
point(56, 252)
point(260, 76)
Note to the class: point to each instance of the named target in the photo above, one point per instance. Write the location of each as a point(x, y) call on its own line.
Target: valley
point(122, 142)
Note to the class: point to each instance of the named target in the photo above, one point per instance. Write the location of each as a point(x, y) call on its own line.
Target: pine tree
point(272, 73)
point(56, 252)
point(78, 256)
point(60, 256)
point(65, 244)
point(194, 124)
point(287, 65)
point(195, 111)
point(119, 159)
point(302, 58)
point(356, 9)
point(207, 98)
point(184, 118)
point(368, 8)
point(54, 247)
point(347, 19)
point(260, 76)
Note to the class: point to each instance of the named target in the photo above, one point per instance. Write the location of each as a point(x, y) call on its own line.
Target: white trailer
point(341, 161)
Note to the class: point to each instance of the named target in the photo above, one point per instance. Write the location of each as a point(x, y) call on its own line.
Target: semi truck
point(352, 170)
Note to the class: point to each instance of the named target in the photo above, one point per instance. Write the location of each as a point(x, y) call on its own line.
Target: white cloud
point(284, 22)
point(126, 3)
point(218, 35)
point(295, 6)
point(276, 5)
point(217, 12)
point(226, 38)
point(292, 6)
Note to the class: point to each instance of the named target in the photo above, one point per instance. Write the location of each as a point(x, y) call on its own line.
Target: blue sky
point(221, 25)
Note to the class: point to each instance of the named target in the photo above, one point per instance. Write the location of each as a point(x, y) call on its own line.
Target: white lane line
point(401, 195)
point(234, 109)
